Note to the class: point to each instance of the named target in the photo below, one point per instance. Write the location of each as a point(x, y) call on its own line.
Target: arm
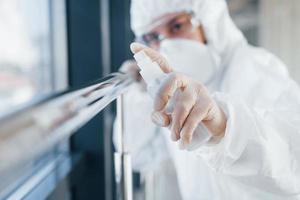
point(260, 147)
point(261, 143)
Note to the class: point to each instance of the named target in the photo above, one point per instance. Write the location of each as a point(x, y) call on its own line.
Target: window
point(27, 61)
point(33, 64)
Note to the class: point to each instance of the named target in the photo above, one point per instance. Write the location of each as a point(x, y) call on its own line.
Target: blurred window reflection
point(33, 63)
point(25, 51)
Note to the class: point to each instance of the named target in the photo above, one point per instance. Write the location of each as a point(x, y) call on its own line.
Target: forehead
point(164, 20)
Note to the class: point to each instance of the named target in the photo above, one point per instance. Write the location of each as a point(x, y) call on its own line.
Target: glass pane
point(33, 63)
point(25, 52)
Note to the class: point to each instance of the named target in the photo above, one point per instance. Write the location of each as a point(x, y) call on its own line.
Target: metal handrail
point(123, 169)
point(27, 134)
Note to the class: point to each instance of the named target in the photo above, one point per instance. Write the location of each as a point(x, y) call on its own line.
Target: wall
point(280, 31)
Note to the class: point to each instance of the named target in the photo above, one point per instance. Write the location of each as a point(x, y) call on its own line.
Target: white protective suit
point(259, 156)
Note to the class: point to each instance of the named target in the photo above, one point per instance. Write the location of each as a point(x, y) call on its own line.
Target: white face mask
point(191, 58)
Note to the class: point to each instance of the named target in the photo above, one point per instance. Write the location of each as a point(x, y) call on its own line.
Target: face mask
point(191, 58)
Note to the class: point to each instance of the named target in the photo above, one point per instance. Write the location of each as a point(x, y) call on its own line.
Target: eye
point(176, 27)
point(150, 38)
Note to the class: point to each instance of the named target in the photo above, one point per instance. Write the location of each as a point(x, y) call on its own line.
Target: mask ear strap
point(195, 23)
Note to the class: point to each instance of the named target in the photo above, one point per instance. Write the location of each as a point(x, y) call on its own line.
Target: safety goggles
point(180, 26)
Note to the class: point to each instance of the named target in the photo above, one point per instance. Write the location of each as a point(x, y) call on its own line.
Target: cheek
point(198, 35)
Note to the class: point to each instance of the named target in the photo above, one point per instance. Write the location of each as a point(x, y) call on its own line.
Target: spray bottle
point(153, 75)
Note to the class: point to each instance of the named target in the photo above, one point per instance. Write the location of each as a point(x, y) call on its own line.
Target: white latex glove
point(190, 103)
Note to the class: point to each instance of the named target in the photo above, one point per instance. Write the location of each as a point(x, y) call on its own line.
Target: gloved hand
point(187, 101)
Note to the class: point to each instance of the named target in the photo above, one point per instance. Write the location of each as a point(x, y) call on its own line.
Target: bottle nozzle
point(149, 70)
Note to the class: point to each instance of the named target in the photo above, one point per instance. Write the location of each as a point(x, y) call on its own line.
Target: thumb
point(154, 56)
point(160, 119)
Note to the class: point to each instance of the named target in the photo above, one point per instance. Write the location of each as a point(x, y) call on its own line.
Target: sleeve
point(261, 146)
point(141, 138)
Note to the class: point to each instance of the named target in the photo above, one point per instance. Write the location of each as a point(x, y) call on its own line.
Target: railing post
point(123, 169)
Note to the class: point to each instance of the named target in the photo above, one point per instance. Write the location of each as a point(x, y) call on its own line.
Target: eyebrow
point(175, 19)
point(170, 23)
